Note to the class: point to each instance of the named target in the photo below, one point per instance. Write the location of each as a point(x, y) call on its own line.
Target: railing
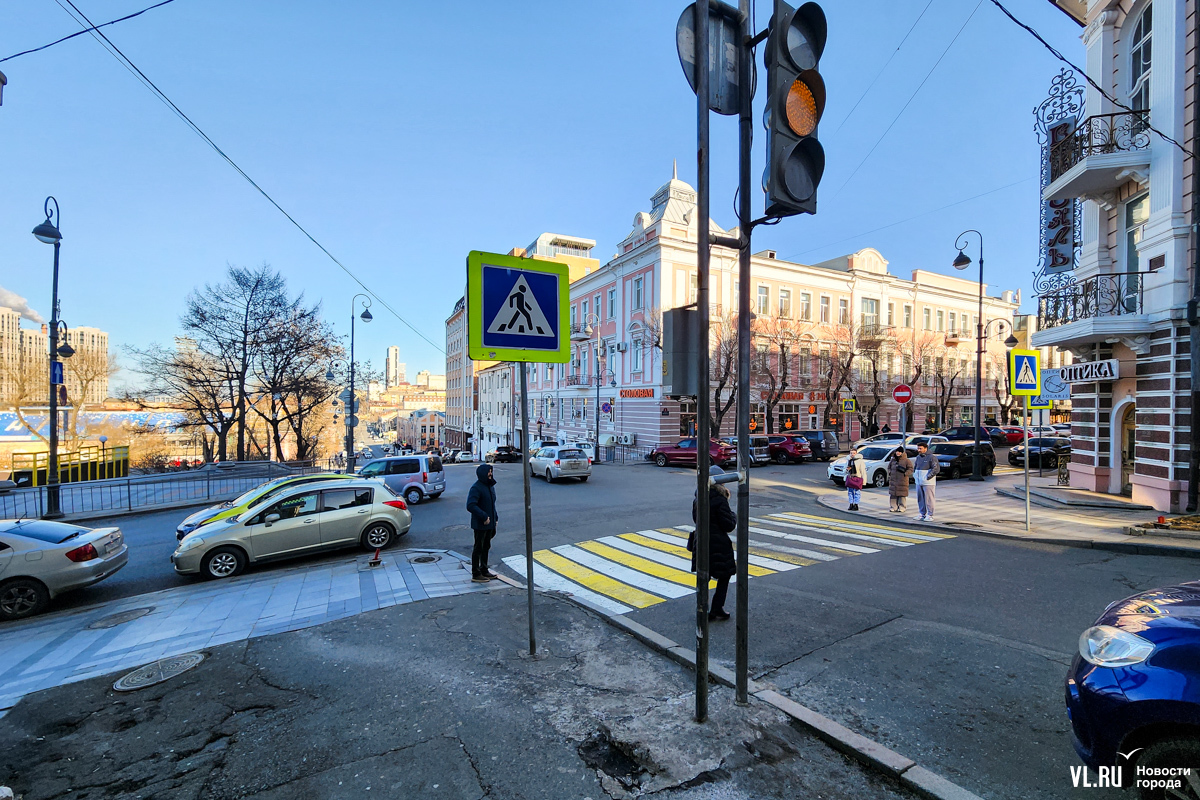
point(1099, 296)
point(875, 330)
point(1102, 133)
point(210, 483)
point(579, 380)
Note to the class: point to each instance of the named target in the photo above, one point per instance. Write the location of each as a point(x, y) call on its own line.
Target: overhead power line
point(149, 84)
point(1080, 71)
point(87, 30)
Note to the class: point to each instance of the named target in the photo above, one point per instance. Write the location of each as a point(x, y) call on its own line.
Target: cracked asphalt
point(437, 699)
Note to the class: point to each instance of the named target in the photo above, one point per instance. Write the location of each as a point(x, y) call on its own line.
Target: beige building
point(422, 429)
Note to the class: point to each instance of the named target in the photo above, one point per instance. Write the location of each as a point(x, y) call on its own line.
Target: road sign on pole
point(849, 406)
point(902, 393)
point(1053, 386)
point(517, 309)
point(1024, 373)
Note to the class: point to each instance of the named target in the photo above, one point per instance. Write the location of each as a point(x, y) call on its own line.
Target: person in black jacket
point(481, 502)
point(721, 563)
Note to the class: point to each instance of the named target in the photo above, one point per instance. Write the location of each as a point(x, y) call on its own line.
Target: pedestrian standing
point(481, 502)
point(856, 477)
point(925, 468)
point(887, 428)
point(721, 564)
point(900, 469)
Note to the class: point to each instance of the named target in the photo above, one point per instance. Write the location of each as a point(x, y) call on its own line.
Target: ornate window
point(1139, 61)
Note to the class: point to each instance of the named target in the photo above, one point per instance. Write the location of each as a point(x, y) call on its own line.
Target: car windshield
point(947, 449)
point(874, 453)
point(246, 497)
point(570, 454)
point(50, 532)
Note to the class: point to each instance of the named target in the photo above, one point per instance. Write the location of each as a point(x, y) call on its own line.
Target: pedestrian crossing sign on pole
point(849, 406)
point(516, 308)
point(1039, 403)
point(1024, 373)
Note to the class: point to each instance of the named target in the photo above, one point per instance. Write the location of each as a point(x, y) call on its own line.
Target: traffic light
point(796, 100)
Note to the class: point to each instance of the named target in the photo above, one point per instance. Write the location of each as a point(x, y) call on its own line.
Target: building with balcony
point(1119, 300)
point(845, 328)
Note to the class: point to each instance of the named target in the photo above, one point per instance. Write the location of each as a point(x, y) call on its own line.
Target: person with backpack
point(856, 477)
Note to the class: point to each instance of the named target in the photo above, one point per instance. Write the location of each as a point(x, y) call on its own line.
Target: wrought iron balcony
point(874, 330)
point(1099, 296)
point(579, 380)
point(1100, 134)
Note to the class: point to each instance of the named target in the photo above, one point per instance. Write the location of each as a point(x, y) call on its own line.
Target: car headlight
point(1106, 646)
point(189, 544)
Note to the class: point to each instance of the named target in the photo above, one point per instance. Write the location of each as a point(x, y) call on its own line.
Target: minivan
point(412, 477)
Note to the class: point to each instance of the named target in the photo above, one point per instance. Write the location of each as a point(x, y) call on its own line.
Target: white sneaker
point(919, 517)
point(929, 517)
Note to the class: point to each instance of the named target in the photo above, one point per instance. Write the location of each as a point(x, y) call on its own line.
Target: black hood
point(481, 472)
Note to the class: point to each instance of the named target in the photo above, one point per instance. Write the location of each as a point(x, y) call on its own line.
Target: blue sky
point(403, 135)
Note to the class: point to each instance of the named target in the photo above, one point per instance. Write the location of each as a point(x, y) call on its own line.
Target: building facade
point(843, 329)
point(1114, 166)
point(24, 363)
point(422, 429)
point(394, 368)
point(497, 398)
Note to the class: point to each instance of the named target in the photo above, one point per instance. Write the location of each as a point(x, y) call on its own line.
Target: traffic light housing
point(795, 103)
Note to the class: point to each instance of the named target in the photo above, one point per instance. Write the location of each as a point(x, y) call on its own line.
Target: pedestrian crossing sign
point(516, 308)
point(1040, 403)
point(849, 406)
point(1024, 373)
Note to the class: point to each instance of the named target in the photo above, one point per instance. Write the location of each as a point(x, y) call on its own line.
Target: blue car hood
point(1156, 612)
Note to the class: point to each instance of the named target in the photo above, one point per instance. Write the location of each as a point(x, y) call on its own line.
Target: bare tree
point(723, 366)
point(947, 372)
point(1002, 388)
point(778, 336)
point(198, 383)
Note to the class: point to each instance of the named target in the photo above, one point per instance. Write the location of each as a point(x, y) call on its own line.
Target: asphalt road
point(953, 653)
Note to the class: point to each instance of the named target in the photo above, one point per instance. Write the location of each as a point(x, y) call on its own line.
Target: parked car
point(1133, 689)
point(450, 454)
point(504, 455)
point(824, 444)
point(1043, 430)
point(464, 457)
point(588, 449)
point(1043, 451)
point(538, 444)
point(760, 448)
point(299, 521)
point(560, 461)
point(967, 433)
point(957, 458)
point(40, 560)
point(684, 452)
point(876, 457)
point(789, 449)
point(929, 440)
point(412, 477)
point(882, 438)
point(1063, 428)
point(1012, 433)
point(265, 491)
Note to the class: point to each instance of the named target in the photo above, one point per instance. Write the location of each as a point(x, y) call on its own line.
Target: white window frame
point(639, 294)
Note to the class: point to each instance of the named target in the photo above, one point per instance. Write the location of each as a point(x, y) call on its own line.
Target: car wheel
point(224, 562)
point(879, 480)
point(584, 479)
point(660, 460)
point(549, 477)
point(413, 496)
point(826, 458)
point(1051, 461)
point(22, 597)
point(377, 536)
point(839, 483)
point(955, 473)
point(1168, 754)
point(781, 458)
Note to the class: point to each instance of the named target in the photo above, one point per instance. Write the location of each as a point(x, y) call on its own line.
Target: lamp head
point(365, 316)
point(66, 351)
point(46, 232)
point(962, 260)
point(1011, 341)
point(329, 375)
point(103, 439)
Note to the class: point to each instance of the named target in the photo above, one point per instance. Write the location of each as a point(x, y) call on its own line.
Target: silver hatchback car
point(304, 520)
point(412, 477)
point(40, 560)
point(560, 461)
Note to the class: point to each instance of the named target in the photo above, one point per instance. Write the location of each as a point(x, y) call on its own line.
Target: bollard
point(375, 559)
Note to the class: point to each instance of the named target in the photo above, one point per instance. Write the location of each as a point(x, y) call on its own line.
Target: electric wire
point(81, 33)
point(133, 68)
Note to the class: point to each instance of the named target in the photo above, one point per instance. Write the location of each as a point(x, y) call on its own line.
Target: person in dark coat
point(900, 470)
point(721, 563)
point(481, 502)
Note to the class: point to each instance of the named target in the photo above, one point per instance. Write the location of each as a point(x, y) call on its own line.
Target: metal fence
point(624, 454)
point(147, 492)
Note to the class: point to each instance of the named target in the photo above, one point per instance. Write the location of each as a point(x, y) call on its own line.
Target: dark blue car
point(1133, 692)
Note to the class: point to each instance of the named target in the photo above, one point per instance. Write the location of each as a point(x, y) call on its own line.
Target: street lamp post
point(962, 261)
point(351, 406)
point(49, 233)
point(594, 325)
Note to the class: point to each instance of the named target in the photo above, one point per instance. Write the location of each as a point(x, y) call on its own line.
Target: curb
point(866, 751)
point(1053, 502)
point(1127, 548)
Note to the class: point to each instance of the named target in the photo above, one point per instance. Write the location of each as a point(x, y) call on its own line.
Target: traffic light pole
point(745, 138)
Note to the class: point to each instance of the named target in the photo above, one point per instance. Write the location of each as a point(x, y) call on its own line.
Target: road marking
point(777, 553)
point(799, 551)
point(754, 568)
point(641, 580)
point(852, 549)
point(640, 564)
point(897, 534)
point(595, 581)
point(544, 577)
point(924, 534)
point(630, 546)
point(862, 537)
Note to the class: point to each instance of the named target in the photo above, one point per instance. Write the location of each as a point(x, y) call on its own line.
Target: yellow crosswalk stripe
point(677, 532)
point(667, 547)
point(596, 581)
point(642, 564)
point(804, 562)
point(828, 520)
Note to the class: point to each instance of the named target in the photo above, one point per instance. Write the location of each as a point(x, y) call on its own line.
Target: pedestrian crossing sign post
point(849, 406)
point(1024, 373)
point(1039, 403)
point(516, 309)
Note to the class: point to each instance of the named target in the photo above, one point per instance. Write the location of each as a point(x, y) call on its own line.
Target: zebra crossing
point(638, 569)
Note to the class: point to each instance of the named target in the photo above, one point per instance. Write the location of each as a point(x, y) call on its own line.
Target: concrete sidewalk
point(438, 699)
point(996, 507)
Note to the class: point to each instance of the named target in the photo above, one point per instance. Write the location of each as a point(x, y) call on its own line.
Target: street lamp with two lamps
point(48, 233)
point(351, 404)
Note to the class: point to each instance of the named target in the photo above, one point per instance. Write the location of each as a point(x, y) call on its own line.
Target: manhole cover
point(450, 528)
point(121, 617)
point(426, 559)
point(161, 670)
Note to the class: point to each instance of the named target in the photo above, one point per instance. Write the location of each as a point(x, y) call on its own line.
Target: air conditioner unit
point(628, 438)
point(608, 439)
point(622, 347)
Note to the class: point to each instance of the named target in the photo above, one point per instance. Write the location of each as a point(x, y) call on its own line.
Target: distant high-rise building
point(24, 362)
point(394, 368)
point(423, 378)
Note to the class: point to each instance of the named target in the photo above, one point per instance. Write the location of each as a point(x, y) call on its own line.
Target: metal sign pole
point(745, 135)
point(528, 508)
point(703, 428)
point(1025, 432)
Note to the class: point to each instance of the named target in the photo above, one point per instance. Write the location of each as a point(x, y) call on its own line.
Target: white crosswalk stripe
point(820, 529)
point(853, 548)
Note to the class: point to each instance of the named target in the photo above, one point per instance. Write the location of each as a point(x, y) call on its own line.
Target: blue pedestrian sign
point(516, 308)
point(1024, 373)
point(56, 373)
